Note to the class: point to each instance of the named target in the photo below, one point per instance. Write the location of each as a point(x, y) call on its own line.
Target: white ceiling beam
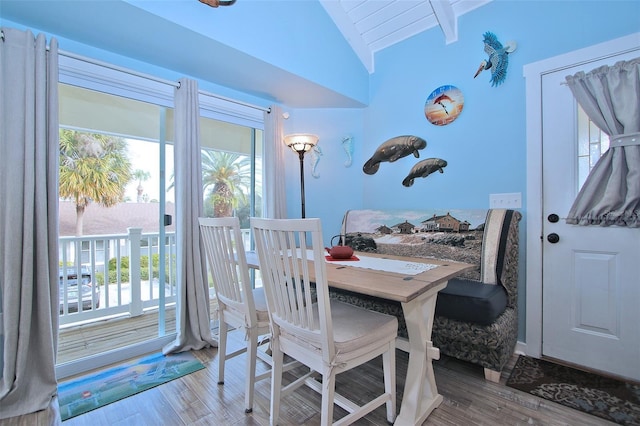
point(446, 18)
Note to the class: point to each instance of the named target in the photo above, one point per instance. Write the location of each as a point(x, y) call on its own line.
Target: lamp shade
point(301, 142)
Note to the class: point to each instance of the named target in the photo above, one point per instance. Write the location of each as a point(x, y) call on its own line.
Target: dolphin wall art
point(424, 168)
point(394, 149)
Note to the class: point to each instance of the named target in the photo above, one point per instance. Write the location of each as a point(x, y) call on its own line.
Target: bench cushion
point(471, 301)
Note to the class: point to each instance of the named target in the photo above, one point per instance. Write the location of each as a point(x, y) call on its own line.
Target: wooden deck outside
point(80, 341)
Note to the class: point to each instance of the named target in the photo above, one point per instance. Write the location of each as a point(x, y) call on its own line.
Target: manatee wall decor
point(423, 169)
point(394, 149)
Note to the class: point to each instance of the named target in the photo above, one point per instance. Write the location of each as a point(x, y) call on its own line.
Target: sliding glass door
point(232, 175)
point(117, 205)
point(116, 225)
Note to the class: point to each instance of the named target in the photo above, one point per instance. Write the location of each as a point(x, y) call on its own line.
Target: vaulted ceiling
point(372, 25)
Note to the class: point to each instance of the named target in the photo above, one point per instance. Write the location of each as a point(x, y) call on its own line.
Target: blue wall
point(486, 146)
point(293, 35)
point(338, 188)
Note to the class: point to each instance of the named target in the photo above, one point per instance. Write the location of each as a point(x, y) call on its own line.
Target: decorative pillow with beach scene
point(445, 234)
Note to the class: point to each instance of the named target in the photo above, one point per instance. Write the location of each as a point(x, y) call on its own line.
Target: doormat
point(95, 390)
point(607, 398)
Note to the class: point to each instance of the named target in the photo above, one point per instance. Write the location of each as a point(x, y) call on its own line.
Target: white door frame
point(533, 76)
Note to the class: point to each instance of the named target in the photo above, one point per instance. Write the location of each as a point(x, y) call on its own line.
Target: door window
point(592, 144)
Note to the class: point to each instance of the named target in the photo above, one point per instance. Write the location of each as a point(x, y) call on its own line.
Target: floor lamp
point(300, 143)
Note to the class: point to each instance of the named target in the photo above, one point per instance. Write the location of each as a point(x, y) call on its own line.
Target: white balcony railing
point(124, 273)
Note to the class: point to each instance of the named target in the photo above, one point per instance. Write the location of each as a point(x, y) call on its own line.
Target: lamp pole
point(301, 156)
point(301, 143)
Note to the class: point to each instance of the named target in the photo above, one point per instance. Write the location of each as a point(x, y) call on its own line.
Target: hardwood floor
point(197, 399)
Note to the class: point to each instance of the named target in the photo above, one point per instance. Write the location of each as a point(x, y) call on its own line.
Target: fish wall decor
point(423, 169)
point(394, 149)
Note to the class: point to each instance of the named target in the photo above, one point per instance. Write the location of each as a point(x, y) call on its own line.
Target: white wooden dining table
point(414, 282)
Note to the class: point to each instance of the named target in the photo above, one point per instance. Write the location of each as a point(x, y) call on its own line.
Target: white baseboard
point(521, 348)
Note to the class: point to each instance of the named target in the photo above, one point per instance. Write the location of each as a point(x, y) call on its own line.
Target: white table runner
point(375, 263)
point(387, 265)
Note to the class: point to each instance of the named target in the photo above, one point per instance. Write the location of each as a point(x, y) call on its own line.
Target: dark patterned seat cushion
point(471, 301)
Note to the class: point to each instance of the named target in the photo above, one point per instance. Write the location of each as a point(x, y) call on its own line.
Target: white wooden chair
point(328, 337)
point(240, 306)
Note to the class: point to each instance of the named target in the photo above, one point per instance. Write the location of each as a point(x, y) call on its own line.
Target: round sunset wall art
point(444, 105)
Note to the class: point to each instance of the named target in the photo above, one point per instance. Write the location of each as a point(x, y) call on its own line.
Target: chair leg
point(252, 354)
point(389, 368)
point(328, 395)
point(222, 348)
point(276, 382)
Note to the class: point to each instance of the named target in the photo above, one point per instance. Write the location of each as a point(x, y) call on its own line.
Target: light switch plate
point(511, 200)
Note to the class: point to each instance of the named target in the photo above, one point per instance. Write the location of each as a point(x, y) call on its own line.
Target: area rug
point(607, 398)
point(100, 388)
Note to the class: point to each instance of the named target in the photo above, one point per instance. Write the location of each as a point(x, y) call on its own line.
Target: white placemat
point(387, 265)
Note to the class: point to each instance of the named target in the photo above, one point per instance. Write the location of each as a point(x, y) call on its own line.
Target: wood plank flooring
point(197, 399)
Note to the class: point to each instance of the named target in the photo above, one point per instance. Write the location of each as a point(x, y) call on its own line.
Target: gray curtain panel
point(611, 98)
point(193, 316)
point(28, 222)
point(274, 179)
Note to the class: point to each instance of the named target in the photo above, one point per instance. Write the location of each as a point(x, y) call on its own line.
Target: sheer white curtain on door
point(274, 179)
point(28, 222)
point(193, 316)
point(610, 96)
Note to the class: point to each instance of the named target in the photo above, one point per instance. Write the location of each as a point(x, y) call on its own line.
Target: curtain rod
point(156, 79)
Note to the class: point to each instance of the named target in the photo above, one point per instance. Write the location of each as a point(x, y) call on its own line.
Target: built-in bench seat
point(476, 317)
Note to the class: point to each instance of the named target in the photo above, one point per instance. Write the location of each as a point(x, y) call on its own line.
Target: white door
point(591, 274)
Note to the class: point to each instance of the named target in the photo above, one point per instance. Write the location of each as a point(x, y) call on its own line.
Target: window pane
point(231, 170)
point(112, 182)
point(592, 143)
point(232, 176)
point(583, 133)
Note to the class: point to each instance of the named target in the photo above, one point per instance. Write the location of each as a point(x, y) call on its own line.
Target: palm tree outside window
point(231, 156)
point(93, 168)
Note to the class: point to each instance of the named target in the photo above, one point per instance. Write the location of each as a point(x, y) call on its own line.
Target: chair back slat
point(224, 248)
point(284, 247)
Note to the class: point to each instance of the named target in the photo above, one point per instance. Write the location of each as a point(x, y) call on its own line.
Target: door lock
point(553, 218)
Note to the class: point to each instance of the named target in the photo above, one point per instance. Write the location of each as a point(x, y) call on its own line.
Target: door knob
point(553, 218)
point(553, 238)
